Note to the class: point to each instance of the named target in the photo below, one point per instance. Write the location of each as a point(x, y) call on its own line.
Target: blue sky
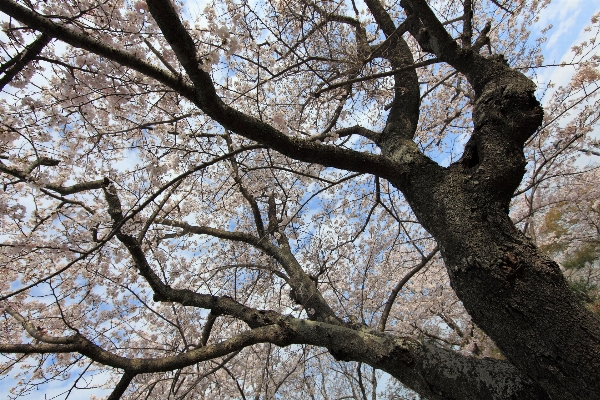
point(569, 19)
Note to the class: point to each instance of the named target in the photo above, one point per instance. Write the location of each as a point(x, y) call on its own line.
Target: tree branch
point(467, 34)
point(39, 348)
point(392, 298)
point(210, 321)
point(396, 139)
point(304, 289)
point(15, 65)
point(63, 190)
point(203, 93)
point(38, 333)
point(420, 366)
point(378, 75)
point(121, 387)
point(249, 198)
point(80, 40)
point(442, 44)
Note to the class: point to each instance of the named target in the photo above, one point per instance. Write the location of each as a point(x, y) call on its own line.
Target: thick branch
point(16, 64)
point(420, 366)
point(382, 17)
point(403, 117)
point(121, 387)
point(305, 291)
point(203, 93)
point(210, 321)
point(81, 40)
point(467, 34)
point(40, 348)
point(440, 41)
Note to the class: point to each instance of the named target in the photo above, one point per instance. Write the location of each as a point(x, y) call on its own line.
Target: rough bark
point(516, 294)
point(512, 291)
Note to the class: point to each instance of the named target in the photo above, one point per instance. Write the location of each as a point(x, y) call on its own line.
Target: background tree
point(278, 199)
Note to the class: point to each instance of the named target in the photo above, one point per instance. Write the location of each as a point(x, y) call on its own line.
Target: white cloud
point(569, 19)
point(563, 15)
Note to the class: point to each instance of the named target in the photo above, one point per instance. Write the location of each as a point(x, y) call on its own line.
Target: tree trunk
point(514, 292)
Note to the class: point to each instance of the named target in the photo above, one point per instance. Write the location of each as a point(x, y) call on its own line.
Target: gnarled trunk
point(514, 292)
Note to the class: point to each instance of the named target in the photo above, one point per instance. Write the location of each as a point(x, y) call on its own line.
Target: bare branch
point(378, 75)
point(467, 34)
point(390, 301)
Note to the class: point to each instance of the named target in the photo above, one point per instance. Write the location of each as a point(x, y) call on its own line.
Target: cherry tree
point(285, 198)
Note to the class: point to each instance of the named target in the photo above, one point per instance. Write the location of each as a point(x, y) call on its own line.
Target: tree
point(570, 233)
point(186, 198)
